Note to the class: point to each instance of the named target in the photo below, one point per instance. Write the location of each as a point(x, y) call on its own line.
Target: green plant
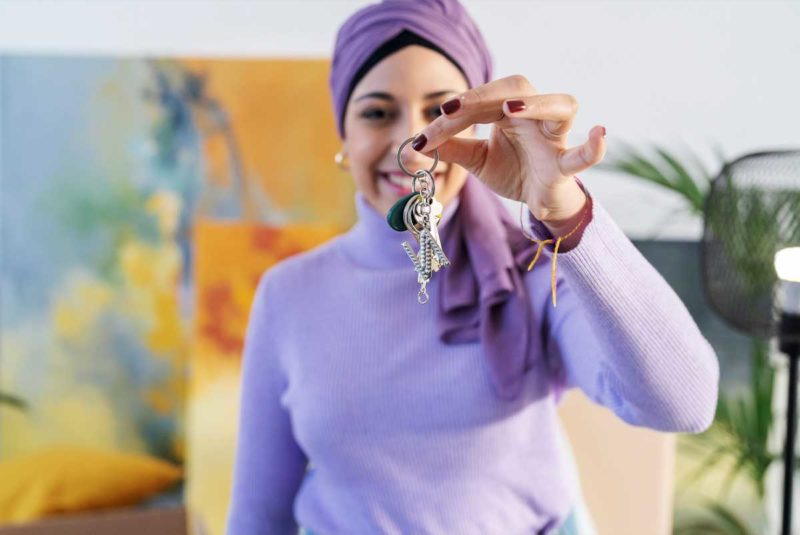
point(741, 428)
point(688, 180)
point(718, 520)
point(15, 401)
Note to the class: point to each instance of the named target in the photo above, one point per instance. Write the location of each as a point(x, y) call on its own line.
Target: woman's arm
point(621, 334)
point(269, 465)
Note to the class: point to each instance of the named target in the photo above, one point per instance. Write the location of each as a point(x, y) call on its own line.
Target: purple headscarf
point(483, 296)
point(443, 22)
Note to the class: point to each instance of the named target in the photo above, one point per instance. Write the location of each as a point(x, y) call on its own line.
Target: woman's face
point(399, 96)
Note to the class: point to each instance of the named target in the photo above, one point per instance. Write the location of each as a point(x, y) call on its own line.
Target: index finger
point(479, 105)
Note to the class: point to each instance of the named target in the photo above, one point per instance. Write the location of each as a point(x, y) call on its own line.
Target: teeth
point(406, 183)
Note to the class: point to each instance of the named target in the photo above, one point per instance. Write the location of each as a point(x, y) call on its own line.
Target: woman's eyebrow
point(375, 94)
point(440, 93)
point(386, 96)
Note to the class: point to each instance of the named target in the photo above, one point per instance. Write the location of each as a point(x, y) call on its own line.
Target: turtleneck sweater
point(356, 419)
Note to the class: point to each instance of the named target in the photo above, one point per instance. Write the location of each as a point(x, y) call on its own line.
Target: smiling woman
point(387, 111)
point(442, 418)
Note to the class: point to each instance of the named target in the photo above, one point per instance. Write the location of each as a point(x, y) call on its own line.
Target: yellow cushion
point(70, 479)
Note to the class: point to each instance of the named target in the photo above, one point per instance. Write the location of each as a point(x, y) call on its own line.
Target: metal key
point(439, 258)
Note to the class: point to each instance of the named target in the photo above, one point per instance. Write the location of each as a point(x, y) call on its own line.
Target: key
point(435, 216)
point(439, 258)
point(423, 262)
point(434, 243)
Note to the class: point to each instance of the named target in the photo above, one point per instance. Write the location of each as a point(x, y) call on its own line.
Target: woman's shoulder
point(300, 269)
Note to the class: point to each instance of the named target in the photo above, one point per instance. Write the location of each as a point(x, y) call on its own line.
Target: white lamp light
point(787, 266)
point(787, 295)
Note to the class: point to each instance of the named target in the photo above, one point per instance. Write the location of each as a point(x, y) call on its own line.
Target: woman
point(442, 418)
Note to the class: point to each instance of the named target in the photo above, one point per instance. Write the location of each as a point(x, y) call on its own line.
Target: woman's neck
point(373, 244)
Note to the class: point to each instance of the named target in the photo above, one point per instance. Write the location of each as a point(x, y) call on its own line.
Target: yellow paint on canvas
point(282, 120)
point(229, 260)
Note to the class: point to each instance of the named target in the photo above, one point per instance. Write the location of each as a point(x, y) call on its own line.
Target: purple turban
point(483, 296)
point(444, 23)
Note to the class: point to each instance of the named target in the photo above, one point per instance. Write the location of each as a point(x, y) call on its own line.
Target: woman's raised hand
point(526, 156)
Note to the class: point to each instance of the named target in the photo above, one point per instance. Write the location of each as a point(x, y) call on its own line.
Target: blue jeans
point(578, 522)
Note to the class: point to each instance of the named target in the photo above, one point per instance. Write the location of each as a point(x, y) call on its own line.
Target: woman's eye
point(380, 115)
point(375, 114)
point(434, 112)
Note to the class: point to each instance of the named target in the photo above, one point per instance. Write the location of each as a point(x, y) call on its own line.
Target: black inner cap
point(404, 38)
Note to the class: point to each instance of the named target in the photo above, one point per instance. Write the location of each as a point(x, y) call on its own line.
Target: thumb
point(469, 153)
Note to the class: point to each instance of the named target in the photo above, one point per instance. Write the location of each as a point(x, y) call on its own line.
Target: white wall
point(684, 74)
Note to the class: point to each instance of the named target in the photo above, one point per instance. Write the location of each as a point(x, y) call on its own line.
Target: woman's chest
point(368, 375)
point(373, 368)
point(378, 364)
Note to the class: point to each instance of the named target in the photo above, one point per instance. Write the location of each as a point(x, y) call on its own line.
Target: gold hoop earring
point(339, 158)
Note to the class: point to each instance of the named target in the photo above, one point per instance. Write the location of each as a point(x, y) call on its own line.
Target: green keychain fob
point(395, 214)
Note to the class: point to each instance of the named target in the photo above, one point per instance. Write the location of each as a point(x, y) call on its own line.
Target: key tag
point(419, 213)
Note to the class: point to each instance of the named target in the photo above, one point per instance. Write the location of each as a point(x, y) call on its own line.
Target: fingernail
point(419, 142)
point(451, 106)
point(515, 105)
point(604, 131)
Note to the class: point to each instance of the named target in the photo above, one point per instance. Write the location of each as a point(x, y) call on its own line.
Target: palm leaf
point(667, 172)
point(683, 181)
point(718, 520)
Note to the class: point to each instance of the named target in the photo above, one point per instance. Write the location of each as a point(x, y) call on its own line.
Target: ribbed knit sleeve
point(621, 334)
point(269, 465)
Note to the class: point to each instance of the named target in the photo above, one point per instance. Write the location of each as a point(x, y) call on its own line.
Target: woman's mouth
point(401, 183)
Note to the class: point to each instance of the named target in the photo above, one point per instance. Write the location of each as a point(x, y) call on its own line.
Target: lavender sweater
point(343, 373)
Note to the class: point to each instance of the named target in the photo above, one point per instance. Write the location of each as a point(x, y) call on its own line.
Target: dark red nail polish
point(515, 105)
point(419, 142)
point(451, 106)
point(604, 131)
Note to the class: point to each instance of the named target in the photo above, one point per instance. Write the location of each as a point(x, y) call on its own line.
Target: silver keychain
point(421, 215)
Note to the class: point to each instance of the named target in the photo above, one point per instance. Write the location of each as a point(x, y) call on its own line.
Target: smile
point(401, 183)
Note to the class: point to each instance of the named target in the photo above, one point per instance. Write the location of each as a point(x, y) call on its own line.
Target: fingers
point(469, 153)
point(578, 159)
point(480, 105)
point(555, 111)
point(488, 98)
point(501, 101)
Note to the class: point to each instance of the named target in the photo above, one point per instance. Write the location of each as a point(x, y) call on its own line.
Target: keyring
point(419, 174)
point(403, 167)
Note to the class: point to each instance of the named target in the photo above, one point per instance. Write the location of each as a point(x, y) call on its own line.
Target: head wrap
point(483, 296)
point(443, 23)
